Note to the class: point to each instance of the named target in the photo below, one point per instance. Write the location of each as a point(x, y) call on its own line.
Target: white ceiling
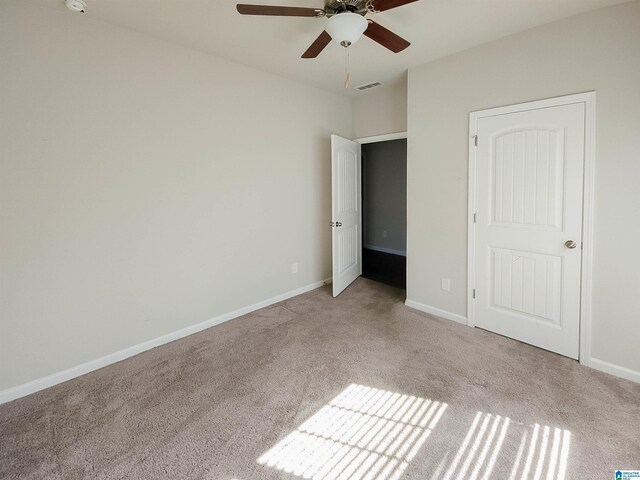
point(435, 28)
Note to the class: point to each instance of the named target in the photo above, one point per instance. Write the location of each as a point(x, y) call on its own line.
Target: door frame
point(386, 137)
point(589, 101)
point(381, 138)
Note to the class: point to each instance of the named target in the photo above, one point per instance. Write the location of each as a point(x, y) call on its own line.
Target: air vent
point(368, 86)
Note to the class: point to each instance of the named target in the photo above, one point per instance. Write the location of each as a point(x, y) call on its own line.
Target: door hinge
point(474, 293)
point(475, 217)
point(475, 140)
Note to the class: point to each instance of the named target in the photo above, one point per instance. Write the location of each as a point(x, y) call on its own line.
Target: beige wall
point(595, 51)
point(381, 110)
point(145, 188)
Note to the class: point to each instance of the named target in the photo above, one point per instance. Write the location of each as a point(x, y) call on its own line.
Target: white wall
point(595, 51)
point(145, 187)
point(384, 196)
point(381, 110)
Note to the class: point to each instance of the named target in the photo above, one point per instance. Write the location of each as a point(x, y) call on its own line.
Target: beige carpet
point(314, 387)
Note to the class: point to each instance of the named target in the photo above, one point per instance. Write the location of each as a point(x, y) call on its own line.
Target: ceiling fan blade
point(385, 37)
point(245, 9)
point(318, 45)
point(382, 5)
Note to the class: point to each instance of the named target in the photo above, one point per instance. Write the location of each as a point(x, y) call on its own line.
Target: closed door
point(528, 230)
point(346, 213)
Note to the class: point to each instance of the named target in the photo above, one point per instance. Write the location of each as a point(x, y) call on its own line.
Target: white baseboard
point(613, 369)
point(402, 253)
point(73, 372)
point(436, 311)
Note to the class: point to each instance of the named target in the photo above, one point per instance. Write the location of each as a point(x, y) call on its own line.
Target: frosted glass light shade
point(346, 28)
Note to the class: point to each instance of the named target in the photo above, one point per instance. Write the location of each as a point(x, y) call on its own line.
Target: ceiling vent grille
point(368, 86)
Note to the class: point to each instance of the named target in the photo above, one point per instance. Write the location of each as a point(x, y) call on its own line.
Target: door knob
point(570, 244)
point(338, 224)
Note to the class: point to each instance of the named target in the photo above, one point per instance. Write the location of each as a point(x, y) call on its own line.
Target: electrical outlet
point(384, 234)
point(445, 284)
point(294, 267)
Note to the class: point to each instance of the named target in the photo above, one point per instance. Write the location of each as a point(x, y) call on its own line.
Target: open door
point(346, 221)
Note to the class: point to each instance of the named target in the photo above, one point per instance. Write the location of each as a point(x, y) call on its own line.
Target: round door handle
point(570, 244)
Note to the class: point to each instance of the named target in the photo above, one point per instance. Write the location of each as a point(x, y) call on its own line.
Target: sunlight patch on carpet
point(363, 433)
point(542, 453)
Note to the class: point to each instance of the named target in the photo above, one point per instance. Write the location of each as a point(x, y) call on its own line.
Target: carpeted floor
point(314, 387)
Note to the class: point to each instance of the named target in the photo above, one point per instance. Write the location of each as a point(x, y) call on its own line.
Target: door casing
point(589, 100)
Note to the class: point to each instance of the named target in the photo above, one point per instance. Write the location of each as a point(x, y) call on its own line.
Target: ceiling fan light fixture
point(346, 28)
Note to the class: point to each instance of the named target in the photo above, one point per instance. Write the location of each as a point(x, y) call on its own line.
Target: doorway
point(529, 221)
point(384, 211)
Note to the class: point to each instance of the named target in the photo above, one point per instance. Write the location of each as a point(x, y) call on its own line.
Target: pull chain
point(347, 74)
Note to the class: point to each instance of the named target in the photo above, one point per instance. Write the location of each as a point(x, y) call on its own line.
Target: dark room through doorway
point(384, 212)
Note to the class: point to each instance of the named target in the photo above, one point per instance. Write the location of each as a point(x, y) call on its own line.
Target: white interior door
point(345, 212)
point(528, 231)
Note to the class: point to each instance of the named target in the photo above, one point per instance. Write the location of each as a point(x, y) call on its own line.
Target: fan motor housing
point(333, 7)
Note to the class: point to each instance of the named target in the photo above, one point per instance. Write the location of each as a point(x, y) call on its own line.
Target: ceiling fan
point(347, 22)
